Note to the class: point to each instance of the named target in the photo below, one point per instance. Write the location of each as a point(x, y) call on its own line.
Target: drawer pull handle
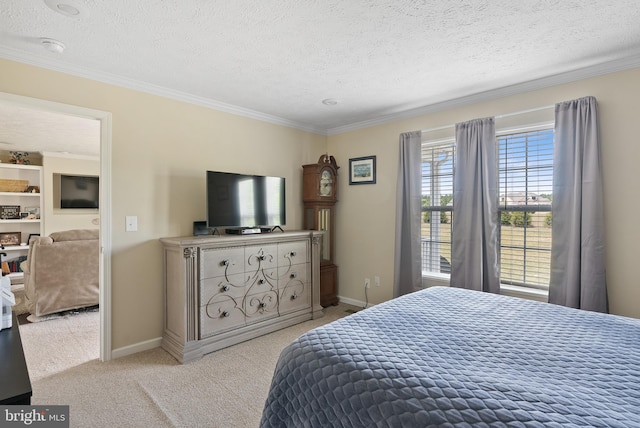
point(261, 281)
point(225, 314)
point(293, 254)
point(262, 257)
point(224, 263)
point(293, 275)
point(262, 304)
point(225, 288)
point(294, 297)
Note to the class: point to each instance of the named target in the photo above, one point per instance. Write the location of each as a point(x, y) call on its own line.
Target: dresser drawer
point(219, 315)
point(232, 286)
point(216, 262)
point(299, 272)
point(260, 257)
point(291, 253)
point(294, 296)
point(260, 306)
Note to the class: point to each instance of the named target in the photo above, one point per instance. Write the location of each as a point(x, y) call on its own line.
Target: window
point(525, 174)
point(437, 206)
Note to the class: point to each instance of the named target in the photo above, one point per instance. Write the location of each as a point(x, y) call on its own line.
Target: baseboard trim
point(156, 343)
point(136, 347)
point(353, 302)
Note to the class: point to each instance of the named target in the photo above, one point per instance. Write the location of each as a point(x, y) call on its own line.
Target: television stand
point(225, 290)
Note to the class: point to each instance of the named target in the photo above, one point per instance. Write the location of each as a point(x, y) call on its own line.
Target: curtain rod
point(500, 116)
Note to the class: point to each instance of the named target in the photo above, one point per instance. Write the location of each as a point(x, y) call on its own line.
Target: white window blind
point(437, 206)
point(525, 194)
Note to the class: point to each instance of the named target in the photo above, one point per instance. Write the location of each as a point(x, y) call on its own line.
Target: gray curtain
point(474, 259)
point(407, 268)
point(577, 249)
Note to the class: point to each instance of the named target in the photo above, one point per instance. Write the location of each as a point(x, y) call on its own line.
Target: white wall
point(55, 219)
point(365, 214)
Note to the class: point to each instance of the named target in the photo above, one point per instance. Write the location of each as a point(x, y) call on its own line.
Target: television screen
point(79, 191)
point(239, 200)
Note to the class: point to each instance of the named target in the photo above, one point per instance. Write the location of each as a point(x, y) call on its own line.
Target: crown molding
point(520, 88)
point(536, 84)
point(55, 65)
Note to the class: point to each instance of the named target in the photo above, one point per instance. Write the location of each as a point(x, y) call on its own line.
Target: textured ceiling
point(277, 60)
point(28, 129)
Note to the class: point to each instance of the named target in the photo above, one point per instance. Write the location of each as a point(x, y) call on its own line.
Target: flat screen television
point(245, 201)
point(79, 191)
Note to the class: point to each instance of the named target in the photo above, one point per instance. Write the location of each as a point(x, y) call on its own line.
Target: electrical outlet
point(376, 281)
point(367, 283)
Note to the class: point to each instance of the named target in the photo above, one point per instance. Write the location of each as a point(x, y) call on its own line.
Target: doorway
point(105, 199)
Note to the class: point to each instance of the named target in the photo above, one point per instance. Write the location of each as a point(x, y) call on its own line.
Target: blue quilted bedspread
point(458, 358)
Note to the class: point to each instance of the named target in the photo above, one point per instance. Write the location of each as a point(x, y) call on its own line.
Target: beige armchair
point(61, 272)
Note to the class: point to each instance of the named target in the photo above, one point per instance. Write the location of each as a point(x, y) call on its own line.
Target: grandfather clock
point(319, 194)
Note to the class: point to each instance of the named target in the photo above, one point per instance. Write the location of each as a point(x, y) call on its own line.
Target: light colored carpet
point(56, 343)
point(226, 388)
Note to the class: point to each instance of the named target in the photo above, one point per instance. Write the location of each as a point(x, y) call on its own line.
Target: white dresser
point(222, 290)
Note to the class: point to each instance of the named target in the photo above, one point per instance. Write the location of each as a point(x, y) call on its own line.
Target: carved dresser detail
point(222, 290)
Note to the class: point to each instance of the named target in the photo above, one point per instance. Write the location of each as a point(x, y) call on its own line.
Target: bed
point(452, 357)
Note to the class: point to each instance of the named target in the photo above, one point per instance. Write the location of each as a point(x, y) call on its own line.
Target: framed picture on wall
point(362, 170)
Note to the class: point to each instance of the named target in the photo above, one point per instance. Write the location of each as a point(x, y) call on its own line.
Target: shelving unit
point(32, 174)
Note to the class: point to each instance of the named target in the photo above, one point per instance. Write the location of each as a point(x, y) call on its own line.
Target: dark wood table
point(15, 385)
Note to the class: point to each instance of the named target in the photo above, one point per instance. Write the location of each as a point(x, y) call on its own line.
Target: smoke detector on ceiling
point(62, 8)
point(330, 101)
point(53, 45)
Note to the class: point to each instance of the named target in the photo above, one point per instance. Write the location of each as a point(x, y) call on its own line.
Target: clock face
point(326, 183)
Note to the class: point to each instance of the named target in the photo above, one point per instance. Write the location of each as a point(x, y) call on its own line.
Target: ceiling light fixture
point(329, 101)
point(62, 8)
point(53, 45)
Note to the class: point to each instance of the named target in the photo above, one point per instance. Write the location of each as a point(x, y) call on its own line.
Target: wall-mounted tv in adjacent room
point(245, 201)
point(79, 191)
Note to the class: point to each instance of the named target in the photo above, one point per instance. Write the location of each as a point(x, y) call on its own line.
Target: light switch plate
point(131, 223)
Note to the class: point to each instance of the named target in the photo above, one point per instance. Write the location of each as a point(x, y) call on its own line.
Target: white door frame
point(105, 201)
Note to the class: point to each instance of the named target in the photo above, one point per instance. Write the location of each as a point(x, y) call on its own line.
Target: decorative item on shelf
point(32, 189)
point(19, 158)
point(362, 170)
point(9, 212)
point(10, 238)
point(7, 185)
point(34, 213)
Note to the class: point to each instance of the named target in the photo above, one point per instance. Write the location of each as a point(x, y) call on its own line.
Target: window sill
point(524, 292)
point(439, 279)
point(435, 279)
